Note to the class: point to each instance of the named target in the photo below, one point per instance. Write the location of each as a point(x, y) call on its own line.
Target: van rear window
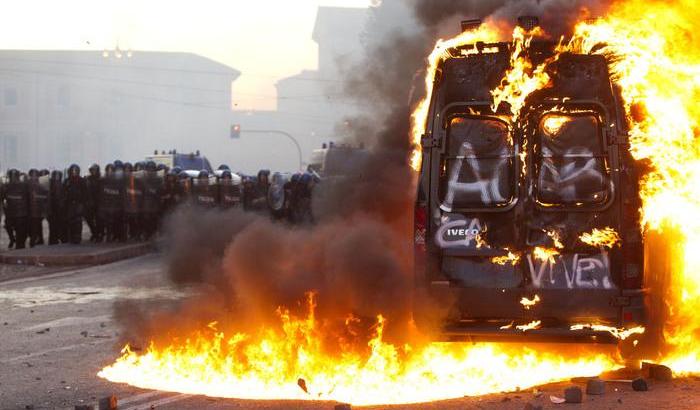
point(479, 165)
point(570, 159)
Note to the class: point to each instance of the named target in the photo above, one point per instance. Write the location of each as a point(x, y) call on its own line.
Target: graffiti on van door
point(481, 185)
point(571, 271)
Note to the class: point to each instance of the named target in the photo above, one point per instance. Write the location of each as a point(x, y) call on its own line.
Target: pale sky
point(265, 39)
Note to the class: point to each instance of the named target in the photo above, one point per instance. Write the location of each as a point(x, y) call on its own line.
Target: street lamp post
point(280, 132)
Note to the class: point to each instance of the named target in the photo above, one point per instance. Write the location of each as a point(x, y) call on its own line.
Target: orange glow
point(487, 33)
point(552, 124)
point(621, 334)
point(270, 363)
point(656, 66)
point(528, 303)
point(606, 237)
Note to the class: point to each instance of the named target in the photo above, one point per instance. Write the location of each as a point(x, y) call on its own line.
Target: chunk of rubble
point(342, 406)
point(657, 371)
point(639, 384)
point(573, 394)
point(108, 403)
point(595, 387)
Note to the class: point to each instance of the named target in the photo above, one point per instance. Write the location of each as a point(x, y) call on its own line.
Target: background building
point(311, 105)
point(60, 107)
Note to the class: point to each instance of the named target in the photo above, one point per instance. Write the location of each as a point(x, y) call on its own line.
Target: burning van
point(527, 224)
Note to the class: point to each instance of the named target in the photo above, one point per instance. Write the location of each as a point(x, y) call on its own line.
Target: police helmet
point(74, 170)
point(13, 175)
point(306, 178)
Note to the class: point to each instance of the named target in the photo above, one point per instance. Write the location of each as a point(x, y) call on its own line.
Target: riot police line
point(128, 202)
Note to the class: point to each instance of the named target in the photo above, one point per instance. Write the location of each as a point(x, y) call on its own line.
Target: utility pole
point(280, 132)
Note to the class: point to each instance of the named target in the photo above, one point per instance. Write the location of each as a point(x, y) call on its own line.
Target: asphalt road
point(56, 333)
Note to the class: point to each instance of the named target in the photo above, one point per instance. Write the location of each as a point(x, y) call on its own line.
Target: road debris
point(595, 387)
point(657, 371)
point(557, 400)
point(342, 406)
point(108, 403)
point(639, 384)
point(302, 383)
point(573, 394)
point(530, 406)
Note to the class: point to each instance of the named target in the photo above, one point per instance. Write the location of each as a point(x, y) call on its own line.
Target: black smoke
point(357, 258)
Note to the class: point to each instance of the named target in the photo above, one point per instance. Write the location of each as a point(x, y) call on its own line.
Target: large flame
point(653, 48)
point(653, 51)
point(292, 362)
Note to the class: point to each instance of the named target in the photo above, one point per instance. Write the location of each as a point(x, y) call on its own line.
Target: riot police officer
point(168, 194)
point(76, 197)
point(133, 202)
point(111, 203)
point(38, 207)
point(151, 207)
point(183, 194)
point(229, 191)
point(204, 193)
point(15, 195)
point(57, 201)
point(93, 182)
point(256, 192)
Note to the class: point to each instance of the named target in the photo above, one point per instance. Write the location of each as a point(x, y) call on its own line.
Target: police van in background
point(192, 162)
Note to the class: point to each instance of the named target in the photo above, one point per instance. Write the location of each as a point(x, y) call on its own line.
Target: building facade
point(62, 107)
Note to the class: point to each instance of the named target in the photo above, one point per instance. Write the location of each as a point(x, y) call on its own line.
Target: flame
point(291, 362)
point(606, 237)
point(487, 33)
point(511, 258)
point(556, 239)
point(653, 52)
point(522, 78)
point(535, 324)
point(553, 123)
point(652, 49)
point(528, 303)
point(621, 334)
point(544, 254)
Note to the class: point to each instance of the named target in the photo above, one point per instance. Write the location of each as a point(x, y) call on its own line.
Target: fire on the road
point(275, 363)
point(655, 62)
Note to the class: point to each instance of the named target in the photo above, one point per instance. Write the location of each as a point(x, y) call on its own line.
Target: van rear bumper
point(493, 314)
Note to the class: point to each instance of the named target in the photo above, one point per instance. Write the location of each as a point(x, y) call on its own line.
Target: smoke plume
point(357, 257)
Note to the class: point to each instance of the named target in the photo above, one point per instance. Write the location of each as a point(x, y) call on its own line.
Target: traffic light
point(236, 131)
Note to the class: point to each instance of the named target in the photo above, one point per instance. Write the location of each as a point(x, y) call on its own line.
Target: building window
point(10, 96)
point(63, 97)
point(9, 155)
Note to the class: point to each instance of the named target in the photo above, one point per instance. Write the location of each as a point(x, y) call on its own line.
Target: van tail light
point(420, 223)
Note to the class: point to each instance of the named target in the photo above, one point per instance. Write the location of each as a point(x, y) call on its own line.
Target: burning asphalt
point(328, 312)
